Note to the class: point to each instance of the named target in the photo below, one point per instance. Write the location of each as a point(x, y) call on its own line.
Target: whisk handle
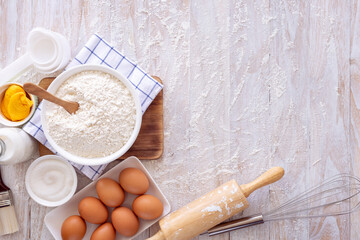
point(236, 224)
point(270, 176)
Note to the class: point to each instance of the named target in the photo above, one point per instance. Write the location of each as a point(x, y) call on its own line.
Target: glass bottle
point(16, 146)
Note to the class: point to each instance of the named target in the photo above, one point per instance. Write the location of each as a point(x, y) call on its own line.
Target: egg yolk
point(15, 105)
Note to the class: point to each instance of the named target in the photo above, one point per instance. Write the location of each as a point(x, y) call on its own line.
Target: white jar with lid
point(15, 146)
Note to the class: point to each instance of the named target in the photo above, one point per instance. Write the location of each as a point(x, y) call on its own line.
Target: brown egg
point(134, 181)
point(105, 231)
point(93, 210)
point(147, 207)
point(73, 228)
point(110, 192)
point(125, 222)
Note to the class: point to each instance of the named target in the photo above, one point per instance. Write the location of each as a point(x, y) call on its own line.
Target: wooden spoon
point(34, 89)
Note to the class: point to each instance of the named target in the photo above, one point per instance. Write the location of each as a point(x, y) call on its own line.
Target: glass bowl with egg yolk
point(17, 106)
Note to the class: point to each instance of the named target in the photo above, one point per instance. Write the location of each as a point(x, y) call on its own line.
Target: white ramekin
point(42, 160)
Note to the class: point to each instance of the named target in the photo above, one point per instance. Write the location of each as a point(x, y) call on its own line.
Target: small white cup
point(45, 161)
point(42, 47)
point(63, 55)
point(47, 51)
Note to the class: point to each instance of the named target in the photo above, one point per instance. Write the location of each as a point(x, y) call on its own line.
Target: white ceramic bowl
point(100, 160)
point(7, 122)
point(43, 161)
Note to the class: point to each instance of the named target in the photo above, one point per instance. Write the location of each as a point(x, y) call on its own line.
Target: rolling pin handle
point(270, 176)
point(158, 236)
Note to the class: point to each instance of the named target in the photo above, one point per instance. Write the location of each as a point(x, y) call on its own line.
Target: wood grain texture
point(149, 144)
point(355, 107)
point(289, 104)
point(250, 107)
point(329, 85)
point(248, 85)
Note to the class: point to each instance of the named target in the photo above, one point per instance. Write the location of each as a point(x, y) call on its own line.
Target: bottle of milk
point(15, 146)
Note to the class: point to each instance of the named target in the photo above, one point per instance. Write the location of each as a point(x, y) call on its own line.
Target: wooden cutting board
point(149, 144)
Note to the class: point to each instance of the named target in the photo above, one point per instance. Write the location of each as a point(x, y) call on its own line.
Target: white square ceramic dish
point(55, 218)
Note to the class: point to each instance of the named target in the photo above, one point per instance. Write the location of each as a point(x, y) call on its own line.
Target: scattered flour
point(212, 208)
point(104, 121)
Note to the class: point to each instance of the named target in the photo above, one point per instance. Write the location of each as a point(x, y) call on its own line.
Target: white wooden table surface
point(247, 85)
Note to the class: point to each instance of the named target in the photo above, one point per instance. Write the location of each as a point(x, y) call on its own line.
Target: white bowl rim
point(7, 122)
point(99, 160)
point(46, 202)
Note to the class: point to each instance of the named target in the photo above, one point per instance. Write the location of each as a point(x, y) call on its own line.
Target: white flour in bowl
point(104, 121)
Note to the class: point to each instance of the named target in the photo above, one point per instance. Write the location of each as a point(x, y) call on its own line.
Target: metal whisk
point(335, 196)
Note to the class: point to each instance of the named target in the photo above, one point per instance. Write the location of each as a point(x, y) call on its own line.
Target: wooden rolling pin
point(212, 208)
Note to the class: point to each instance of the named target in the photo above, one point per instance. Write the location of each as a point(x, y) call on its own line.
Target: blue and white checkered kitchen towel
point(98, 51)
